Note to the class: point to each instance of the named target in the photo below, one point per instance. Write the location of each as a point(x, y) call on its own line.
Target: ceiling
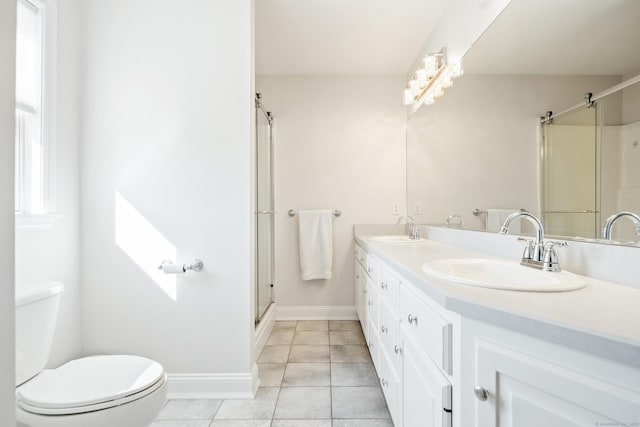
point(572, 37)
point(342, 36)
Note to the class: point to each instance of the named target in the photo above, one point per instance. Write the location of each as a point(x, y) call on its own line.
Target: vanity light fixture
point(431, 79)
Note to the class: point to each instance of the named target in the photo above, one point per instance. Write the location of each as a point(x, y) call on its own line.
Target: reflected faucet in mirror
point(606, 231)
point(447, 223)
point(414, 234)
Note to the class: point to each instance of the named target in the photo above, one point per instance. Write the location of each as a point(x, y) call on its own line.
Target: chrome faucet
point(414, 234)
point(537, 253)
point(606, 231)
point(447, 223)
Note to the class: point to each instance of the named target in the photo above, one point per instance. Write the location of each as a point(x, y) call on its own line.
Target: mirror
point(482, 146)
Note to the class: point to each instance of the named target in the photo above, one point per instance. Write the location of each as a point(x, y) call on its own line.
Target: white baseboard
point(316, 313)
point(213, 386)
point(263, 330)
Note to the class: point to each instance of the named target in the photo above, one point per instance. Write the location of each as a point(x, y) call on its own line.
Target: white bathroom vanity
point(452, 354)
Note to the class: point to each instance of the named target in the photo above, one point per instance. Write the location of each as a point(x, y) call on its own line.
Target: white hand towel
point(316, 244)
point(497, 217)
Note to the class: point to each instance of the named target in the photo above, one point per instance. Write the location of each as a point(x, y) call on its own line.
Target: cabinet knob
point(397, 350)
point(383, 285)
point(480, 393)
point(357, 276)
point(384, 382)
point(383, 329)
point(364, 292)
point(370, 270)
point(412, 319)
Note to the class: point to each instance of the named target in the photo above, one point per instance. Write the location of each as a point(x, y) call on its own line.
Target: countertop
point(602, 318)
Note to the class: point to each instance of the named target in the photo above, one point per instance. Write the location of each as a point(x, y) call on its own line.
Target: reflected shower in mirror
point(480, 146)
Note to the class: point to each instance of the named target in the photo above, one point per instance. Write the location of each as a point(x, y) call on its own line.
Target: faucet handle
point(529, 250)
point(550, 258)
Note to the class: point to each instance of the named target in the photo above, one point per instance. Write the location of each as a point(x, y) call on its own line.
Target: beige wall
point(340, 144)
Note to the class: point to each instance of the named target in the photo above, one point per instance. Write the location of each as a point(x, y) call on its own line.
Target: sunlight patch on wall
point(144, 244)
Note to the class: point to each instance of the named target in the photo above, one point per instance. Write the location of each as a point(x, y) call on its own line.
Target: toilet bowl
point(94, 391)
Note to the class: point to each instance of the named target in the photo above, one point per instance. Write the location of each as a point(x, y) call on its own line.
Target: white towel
point(316, 244)
point(497, 217)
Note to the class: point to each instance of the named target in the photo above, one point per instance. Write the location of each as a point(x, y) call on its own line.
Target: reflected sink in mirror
point(400, 238)
point(498, 274)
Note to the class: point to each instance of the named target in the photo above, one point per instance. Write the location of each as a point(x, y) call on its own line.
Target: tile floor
point(313, 374)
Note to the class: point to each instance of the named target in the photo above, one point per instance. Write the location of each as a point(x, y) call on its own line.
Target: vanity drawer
point(389, 331)
point(373, 269)
point(389, 287)
point(391, 387)
point(373, 342)
point(432, 331)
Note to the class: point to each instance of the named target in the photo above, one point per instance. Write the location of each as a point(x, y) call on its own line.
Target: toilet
point(95, 391)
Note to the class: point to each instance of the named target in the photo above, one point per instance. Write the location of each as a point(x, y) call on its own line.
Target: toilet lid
point(90, 381)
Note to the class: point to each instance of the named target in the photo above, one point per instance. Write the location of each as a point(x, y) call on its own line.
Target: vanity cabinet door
point(373, 337)
point(391, 387)
point(426, 392)
point(524, 391)
point(361, 296)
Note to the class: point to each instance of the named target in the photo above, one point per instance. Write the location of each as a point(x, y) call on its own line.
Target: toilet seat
point(91, 384)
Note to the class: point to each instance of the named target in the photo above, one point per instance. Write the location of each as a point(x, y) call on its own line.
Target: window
point(34, 98)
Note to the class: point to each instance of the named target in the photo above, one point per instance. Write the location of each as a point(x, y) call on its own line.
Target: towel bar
point(336, 212)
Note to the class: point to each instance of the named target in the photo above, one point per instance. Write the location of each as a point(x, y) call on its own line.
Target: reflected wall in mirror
point(479, 146)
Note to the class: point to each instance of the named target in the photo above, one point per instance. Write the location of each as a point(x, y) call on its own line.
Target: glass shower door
point(265, 213)
point(571, 174)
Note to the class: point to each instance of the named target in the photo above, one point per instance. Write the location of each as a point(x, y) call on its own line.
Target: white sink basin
point(400, 238)
point(497, 274)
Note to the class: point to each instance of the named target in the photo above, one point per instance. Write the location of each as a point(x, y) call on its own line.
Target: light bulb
point(428, 100)
point(408, 97)
point(457, 70)
point(431, 65)
point(446, 81)
point(414, 87)
point(422, 77)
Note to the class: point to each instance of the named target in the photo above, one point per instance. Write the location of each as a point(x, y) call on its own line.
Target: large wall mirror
point(482, 151)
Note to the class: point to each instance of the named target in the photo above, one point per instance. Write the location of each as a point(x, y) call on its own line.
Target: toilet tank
point(36, 315)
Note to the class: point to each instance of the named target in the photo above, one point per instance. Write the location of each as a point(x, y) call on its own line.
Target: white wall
point(167, 97)
point(631, 103)
point(7, 142)
point(340, 144)
point(477, 146)
point(53, 254)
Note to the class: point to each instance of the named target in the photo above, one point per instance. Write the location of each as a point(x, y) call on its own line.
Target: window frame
point(26, 217)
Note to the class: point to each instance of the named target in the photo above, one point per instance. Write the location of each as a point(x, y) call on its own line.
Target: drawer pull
point(480, 393)
point(412, 319)
point(384, 329)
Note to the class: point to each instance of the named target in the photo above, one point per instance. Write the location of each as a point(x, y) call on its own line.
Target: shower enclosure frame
point(270, 211)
